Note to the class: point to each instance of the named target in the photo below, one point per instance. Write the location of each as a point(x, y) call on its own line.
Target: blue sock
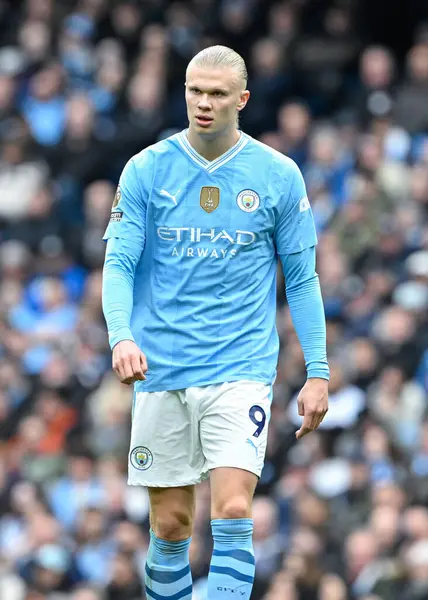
point(168, 575)
point(232, 565)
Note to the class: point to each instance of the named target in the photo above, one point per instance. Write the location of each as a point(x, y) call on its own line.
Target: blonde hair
point(221, 56)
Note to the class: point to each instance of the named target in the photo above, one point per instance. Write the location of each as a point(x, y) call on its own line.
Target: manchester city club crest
point(141, 458)
point(248, 200)
point(209, 198)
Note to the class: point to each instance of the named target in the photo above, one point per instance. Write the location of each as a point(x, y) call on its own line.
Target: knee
point(172, 526)
point(235, 507)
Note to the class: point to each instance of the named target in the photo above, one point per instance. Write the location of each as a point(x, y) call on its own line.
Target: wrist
point(317, 380)
point(122, 334)
point(318, 370)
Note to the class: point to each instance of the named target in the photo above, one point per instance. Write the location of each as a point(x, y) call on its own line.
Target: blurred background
point(342, 88)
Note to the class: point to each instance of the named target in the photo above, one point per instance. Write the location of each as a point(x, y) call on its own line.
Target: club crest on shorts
point(117, 197)
point(209, 198)
point(248, 200)
point(141, 458)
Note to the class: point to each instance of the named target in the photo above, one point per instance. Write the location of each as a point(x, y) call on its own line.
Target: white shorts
point(177, 437)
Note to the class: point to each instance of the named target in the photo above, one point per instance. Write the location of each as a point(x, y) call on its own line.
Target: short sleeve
point(128, 213)
point(295, 229)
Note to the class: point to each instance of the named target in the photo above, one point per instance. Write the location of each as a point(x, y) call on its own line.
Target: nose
point(204, 102)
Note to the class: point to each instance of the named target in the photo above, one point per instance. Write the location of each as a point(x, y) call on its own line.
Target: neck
point(213, 147)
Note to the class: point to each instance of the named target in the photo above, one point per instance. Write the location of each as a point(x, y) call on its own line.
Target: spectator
point(80, 488)
point(411, 111)
point(44, 105)
point(375, 96)
point(125, 584)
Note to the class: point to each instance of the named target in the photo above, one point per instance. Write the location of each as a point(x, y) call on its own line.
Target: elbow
point(116, 271)
point(304, 284)
point(121, 258)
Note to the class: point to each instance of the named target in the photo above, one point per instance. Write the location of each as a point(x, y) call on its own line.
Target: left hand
point(313, 405)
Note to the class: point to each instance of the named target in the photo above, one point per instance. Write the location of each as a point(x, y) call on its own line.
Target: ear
point(243, 100)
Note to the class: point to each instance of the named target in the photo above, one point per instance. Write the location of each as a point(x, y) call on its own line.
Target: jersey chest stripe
point(215, 164)
point(226, 159)
point(193, 156)
point(192, 151)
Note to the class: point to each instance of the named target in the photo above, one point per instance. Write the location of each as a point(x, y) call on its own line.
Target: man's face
point(213, 97)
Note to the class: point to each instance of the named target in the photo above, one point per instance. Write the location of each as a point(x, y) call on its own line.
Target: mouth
point(204, 120)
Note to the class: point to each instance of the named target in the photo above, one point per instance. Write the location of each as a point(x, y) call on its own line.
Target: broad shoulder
point(281, 165)
point(159, 149)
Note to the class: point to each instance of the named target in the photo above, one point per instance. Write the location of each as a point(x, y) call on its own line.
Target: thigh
point(234, 425)
point(165, 447)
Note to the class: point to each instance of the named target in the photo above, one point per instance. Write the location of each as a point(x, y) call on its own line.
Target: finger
point(320, 419)
point(305, 427)
point(118, 369)
point(315, 423)
point(301, 407)
point(137, 371)
point(310, 423)
point(302, 432)
point(122, 377)
point(321, 413)
point(143, 362)
point(127, 371)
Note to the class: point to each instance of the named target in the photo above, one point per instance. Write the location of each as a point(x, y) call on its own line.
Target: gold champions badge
point(117, 197)
point(210, 198)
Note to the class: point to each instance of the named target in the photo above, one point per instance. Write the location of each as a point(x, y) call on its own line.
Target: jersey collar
point(211, 165)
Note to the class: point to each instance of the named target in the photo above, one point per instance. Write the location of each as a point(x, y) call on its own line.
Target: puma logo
point(251, 443)
point(172, 196)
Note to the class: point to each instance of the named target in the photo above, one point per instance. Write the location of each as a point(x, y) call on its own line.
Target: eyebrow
point(210, 90)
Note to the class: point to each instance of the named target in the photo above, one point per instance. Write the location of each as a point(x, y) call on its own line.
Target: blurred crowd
point(84, 85)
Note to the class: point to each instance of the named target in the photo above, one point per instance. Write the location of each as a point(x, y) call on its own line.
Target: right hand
point(129, 363)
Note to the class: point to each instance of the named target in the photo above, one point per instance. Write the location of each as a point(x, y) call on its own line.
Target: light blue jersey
point(206, 237)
